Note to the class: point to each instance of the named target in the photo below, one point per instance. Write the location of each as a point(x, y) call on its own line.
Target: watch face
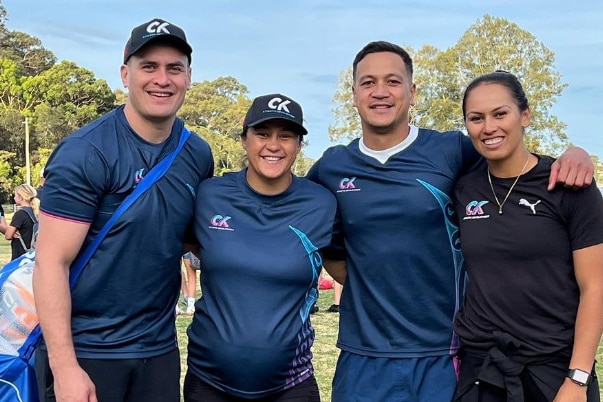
point(579, 376)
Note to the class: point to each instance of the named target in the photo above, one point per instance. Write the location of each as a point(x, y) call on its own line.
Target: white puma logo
point(525, 202)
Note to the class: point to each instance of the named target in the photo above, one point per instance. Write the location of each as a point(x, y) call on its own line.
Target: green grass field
point(325, 324)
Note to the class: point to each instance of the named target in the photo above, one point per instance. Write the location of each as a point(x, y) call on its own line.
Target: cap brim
point(171, 40)
point(301, 129)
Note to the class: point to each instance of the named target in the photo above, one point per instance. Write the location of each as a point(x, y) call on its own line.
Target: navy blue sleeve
point(471, 159)
point(336, 250)
point(76, 176)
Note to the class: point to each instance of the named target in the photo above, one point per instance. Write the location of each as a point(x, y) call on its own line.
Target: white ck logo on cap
point(282, 105)
point(157, 27)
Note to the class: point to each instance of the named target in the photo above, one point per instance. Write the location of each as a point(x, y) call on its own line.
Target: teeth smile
point(493, 141)
point(272, 158)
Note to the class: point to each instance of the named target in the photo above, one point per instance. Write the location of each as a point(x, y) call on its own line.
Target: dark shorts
point(155, 379)
point(196, 390)
point(368, 379)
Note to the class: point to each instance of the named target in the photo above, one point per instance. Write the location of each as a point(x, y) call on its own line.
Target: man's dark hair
point(383, 46)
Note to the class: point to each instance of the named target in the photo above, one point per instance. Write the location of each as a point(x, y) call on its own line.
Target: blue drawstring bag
point(19, 331)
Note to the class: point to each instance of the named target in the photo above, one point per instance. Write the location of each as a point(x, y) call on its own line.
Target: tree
point(12, 135)
point(120, 97)
point(56, 98)
point(302, 164)
point(347, 122)
point(598, 169)
point(441, 77)
point(219, 105)
point(64, 98)
point(215, 110)
point(7, 180)
point(11, 93)
point(57, 102)
point(25, 50)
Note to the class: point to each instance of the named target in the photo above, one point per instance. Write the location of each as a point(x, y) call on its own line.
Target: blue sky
point(299, 47)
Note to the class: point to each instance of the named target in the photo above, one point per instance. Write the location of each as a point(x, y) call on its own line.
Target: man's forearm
point(53, 305)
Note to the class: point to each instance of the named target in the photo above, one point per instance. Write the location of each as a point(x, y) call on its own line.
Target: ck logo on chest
point(220, 222)
point(139, 175)
point(475, 210)
point(347, 184)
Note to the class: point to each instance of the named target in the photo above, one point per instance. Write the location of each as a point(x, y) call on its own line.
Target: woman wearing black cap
point(262, 231)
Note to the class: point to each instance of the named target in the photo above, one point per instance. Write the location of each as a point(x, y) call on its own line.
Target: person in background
point(41, 186)
point(21, 228)
point(337, 290)
point(532, 317)
point(3, 224)
point(403, 272)
point(112, 338)
point(189, 282)
point(261, 231)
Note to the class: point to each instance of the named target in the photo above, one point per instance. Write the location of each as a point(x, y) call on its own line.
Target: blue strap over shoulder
point(148, 180)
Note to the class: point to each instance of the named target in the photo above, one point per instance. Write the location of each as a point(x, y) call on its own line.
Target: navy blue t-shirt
point(123, 304)
point(405, 269)
point(260, 261)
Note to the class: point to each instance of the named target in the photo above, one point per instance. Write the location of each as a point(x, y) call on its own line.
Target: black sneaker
point(314, 309)
point(334, 308)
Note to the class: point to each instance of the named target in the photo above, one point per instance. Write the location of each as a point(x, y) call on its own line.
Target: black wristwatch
point(580, 377)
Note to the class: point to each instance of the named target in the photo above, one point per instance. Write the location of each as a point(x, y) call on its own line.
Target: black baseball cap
point(275, 106)
point(155, 29)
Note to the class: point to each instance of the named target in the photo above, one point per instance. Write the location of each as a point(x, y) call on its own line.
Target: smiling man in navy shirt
point(112, 337)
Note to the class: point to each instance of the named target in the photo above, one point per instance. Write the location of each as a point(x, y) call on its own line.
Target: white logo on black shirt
point(525, 202)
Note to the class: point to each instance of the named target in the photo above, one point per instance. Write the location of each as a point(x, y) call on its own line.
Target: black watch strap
point(579, 377)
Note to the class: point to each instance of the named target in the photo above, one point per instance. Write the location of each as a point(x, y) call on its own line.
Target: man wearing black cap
point(112, 337)
point(262, 231)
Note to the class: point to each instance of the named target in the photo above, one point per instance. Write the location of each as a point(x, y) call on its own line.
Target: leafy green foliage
point(347, 122)
point(215, 110)
point(26, 51)
point(56, 99)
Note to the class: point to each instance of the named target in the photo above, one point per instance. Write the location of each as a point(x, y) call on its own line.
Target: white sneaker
point(179, 311)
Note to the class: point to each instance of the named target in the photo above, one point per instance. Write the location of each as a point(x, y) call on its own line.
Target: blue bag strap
point(31, 214)
point(148, 180)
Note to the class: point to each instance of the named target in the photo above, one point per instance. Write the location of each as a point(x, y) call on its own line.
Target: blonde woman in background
point(20, 230)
